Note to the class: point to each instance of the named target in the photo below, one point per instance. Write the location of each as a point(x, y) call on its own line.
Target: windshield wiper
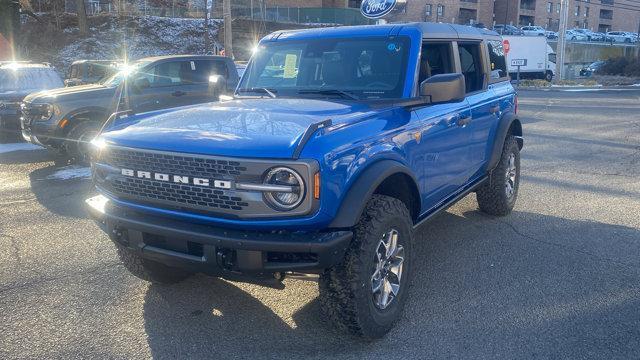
point(271, 93)
point(342, 93)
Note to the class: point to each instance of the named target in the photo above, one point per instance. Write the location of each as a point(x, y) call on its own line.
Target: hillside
point(58, 40)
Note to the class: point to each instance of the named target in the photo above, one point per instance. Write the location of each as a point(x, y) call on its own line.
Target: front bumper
point(218, 251)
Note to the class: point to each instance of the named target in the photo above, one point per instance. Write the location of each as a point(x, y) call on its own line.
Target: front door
point(444, 132)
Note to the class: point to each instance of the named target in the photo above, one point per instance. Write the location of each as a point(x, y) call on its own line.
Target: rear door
point(482, 104)
point(165, 90)
point(443, 134)
point(196, 79)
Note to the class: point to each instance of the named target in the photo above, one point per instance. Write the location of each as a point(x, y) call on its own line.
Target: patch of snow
point(636, 85)
point(6, 148)
point(71, 172)
point(596, 89)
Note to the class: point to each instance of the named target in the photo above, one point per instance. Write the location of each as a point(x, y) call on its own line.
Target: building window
point(427, 10)
point(440, 10)
point(577, 13)
point(549, 7)
point(586, 11)
point(558, 8)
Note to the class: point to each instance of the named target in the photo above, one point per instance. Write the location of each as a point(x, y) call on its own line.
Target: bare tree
point(82, 17)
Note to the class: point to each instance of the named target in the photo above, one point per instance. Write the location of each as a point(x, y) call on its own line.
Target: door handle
point(464, 121)
point(494, 109)
point(178, 93)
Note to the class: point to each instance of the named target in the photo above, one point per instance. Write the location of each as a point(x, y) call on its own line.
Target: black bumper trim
point(251, 248)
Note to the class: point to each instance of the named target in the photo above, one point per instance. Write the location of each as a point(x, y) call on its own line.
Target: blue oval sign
point(374, 9)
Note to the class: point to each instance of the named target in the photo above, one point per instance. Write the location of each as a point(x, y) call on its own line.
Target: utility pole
point(564, 16)
point(226, 17)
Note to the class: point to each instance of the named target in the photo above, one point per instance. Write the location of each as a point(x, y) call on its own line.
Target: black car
point(589, 70)
point(83, 72)
point(17, 80)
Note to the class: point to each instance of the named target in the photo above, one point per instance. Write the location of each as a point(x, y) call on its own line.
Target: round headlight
point(288, 190)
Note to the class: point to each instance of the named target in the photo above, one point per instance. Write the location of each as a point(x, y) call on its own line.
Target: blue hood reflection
point(259, 128)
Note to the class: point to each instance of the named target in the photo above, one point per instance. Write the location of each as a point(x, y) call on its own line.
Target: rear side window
point(497, 59)
point(471, 65)
point(202, 69)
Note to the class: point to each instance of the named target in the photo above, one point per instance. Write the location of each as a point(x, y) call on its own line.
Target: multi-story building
point(596, 15)
point(450, 11)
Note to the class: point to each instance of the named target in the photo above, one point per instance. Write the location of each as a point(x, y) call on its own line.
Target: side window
point(435, 59)
point(166, 74)
point(471, 65)
point(497, 60)
point(202, 69)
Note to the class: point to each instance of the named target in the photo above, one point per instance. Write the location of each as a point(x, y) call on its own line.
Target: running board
point(447, 203)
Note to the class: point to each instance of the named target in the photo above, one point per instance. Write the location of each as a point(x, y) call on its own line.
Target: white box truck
point(540, 58)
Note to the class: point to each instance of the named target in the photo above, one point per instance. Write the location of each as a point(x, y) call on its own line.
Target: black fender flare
point(71, 116)
point(362, 189)
point(508, 119)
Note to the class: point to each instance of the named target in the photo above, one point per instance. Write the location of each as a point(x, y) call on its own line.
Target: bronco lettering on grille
point(178, 179)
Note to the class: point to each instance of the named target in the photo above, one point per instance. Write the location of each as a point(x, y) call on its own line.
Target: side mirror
point(443, 88)
point(141, 83)
point(217, 86)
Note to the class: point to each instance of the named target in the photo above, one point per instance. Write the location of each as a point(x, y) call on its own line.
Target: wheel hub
point(388, 261)
point(510, 183)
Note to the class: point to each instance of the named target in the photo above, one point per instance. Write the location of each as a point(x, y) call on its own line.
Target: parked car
point(507, 30)
point(589, 70)
point(591, 36)
point(599, 36)
point(82, 72)
point(573, 35)
point(619, 36)
point(335, 148)
point(551, 35)
point(17, 80)
point(633, 36)
point(65, 119)
point(533, 30)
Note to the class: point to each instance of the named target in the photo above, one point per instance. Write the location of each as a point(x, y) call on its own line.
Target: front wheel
point(77, 145)
point(365, 294)
point(498, 195)
point(548, 76)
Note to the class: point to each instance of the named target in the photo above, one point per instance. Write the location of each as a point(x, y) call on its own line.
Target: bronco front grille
point(113, 164)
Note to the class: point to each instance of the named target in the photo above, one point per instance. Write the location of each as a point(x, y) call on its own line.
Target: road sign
point(518, 62)
point(506, 46)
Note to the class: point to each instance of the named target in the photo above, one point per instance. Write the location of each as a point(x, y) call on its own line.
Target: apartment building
point(450, 11)
point(596, 15)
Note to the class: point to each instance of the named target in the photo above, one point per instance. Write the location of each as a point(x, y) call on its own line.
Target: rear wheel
point(365, 294)
point(498, 196)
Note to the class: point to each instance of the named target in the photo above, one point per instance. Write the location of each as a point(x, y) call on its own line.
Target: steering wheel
point(376, 84)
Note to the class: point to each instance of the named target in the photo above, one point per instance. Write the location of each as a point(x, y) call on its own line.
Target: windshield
point(116, 79)
point(362, 68)
point(28, 79)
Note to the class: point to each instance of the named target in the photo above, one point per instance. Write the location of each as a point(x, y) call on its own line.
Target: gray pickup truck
point(66, 119)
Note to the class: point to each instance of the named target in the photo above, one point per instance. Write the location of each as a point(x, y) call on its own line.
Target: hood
point(258, 128)
point(72, 93)
point(12, 96)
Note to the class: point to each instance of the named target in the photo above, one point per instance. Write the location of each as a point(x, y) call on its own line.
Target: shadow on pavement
point(26, 157)
point(60, 196)
point(524, 285)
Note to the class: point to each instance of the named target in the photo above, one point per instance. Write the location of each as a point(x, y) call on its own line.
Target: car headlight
point(287, 188)
point(45, 111)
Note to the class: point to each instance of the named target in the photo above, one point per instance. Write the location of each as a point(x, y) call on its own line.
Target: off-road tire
point(149, 270)
point(78, 137)
point(492, 196)
point(346, 290)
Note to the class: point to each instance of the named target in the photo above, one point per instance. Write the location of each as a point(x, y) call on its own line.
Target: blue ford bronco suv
point(338, 144)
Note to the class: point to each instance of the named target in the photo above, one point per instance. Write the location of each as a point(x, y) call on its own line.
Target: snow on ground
point(5, 148)
point(71, 172)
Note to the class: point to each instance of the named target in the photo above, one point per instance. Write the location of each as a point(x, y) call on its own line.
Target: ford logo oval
point(374, 9)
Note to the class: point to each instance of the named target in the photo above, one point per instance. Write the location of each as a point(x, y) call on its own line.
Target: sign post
point(518, 63)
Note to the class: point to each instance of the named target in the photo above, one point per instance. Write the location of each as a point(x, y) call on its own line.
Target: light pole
point(564, 16)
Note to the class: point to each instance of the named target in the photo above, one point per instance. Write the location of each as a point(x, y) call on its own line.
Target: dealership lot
point(560, 277)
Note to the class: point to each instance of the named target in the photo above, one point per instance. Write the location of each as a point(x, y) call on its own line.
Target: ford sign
point(375, 9)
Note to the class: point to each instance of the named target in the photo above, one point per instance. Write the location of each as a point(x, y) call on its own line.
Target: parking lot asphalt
point(558, 278)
